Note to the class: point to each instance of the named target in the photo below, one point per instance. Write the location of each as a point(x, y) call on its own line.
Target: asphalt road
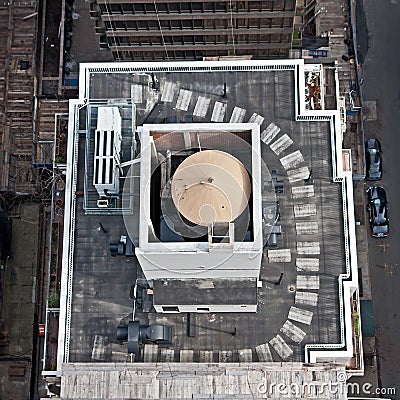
point(379, 51)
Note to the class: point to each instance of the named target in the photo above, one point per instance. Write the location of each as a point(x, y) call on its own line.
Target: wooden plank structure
point(27, 123)
point(44, 128)
point(17, 71)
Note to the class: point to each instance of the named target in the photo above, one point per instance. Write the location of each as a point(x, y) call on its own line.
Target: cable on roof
point(161, 31)
point(233, 36)
point(112, 29)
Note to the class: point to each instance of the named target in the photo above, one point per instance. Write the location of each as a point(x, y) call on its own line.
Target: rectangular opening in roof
point(170, 309)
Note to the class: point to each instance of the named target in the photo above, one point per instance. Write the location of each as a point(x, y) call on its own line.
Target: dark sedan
point(373, 159)
point(378, 211)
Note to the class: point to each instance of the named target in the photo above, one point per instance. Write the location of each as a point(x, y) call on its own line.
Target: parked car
point(378, 211)
point(373, 159)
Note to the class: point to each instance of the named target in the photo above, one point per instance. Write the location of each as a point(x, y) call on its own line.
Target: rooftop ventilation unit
point(136, 334)
point(107, 147)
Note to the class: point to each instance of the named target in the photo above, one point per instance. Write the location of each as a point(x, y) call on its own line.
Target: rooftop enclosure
point(205, 295)
point(216, 232)
point(301, 283)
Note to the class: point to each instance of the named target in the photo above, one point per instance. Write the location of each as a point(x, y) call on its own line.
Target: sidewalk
point(335, 19)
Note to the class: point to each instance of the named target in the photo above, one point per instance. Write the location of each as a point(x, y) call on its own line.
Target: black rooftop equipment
point(136, 334)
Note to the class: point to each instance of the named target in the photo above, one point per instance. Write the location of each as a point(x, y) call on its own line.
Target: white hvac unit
point(107, 148)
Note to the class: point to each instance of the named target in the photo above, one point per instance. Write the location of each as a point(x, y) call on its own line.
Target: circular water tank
point(211, 186)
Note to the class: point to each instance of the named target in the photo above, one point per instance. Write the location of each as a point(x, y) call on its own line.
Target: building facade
point(192, 30)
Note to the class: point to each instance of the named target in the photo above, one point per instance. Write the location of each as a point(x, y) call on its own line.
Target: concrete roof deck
point(101, 283)
point(312, 226)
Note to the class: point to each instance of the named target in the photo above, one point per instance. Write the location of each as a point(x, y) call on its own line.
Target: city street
point(379, 56)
